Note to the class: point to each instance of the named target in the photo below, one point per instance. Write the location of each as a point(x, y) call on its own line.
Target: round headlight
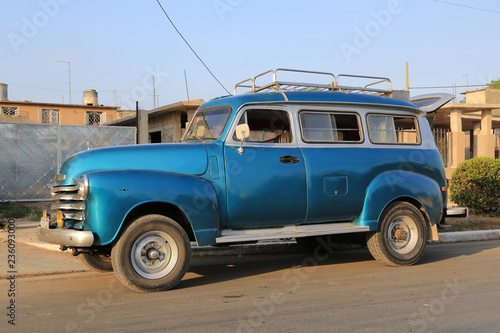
point(83, 186)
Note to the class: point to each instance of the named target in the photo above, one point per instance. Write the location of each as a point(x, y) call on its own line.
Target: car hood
point(174, 157)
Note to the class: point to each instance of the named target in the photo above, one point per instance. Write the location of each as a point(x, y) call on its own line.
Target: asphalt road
point(454, 288)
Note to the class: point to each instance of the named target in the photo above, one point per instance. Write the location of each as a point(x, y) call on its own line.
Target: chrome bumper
point(457, 212)
point(68, 237)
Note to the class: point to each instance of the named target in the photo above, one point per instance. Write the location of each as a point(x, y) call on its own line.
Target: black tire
point(98, 262)
point(153, 254)
point(402, 235)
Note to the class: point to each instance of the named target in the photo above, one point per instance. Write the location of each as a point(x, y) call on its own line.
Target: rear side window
point(330, 127)
point(393, 129)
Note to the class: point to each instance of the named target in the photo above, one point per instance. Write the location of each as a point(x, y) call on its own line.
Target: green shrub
point(12, 211)
point(476, 184)
point(35, 214)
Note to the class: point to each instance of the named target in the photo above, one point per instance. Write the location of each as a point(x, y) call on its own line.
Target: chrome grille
point(68, 201)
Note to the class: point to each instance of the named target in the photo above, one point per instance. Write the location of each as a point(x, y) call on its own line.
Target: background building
point(166, 123)
point(87, 113)
point(466, 130)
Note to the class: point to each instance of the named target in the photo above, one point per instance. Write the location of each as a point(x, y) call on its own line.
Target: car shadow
point(215, 269)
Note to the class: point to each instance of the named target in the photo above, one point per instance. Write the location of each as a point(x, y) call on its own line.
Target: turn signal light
point(59, 219)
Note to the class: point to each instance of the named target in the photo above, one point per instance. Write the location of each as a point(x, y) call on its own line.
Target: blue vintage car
point(282, 160)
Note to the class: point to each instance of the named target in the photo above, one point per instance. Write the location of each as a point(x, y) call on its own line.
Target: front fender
point(114, 193)
point(391, 185)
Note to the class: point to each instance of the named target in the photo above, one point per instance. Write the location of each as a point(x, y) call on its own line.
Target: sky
point(115, 47)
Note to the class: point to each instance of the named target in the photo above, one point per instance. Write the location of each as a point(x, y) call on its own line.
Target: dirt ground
point(473, 222)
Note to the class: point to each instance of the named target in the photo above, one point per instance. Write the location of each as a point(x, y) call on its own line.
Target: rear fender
point(393, 185)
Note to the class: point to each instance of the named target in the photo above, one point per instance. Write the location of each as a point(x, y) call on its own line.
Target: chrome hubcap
point(154, 254)
point(402, 234)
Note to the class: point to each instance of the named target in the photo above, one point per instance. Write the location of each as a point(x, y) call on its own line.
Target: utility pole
point(154, 90)
point(186, 80)
point(467, 75)
point(69, 73)
point(407, 77)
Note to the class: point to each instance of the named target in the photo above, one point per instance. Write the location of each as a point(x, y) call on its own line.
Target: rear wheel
point(153, 254)
point(402, 236)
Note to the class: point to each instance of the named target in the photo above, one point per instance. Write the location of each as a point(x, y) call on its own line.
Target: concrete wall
point(483, 96)
point(169, 124)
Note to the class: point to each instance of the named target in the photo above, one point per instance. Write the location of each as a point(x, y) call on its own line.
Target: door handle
point(289, 159)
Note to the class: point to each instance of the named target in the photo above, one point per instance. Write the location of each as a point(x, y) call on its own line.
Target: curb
point(468, 236)
point(291, 246)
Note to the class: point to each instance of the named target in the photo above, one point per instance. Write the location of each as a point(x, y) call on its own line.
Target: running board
point(235, 236)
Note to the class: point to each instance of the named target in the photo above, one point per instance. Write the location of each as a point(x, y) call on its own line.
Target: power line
point(470, 7)
point(208, 69)
point(470, 85)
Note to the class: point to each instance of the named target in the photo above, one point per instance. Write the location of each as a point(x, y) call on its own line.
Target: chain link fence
point(31, 154)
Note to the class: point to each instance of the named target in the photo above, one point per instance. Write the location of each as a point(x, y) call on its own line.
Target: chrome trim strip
point(68, 205)
point(59, 178)
point(230, 236)
point(69, 188)
point(67, 197)
point(73, 216)
point(67, 237)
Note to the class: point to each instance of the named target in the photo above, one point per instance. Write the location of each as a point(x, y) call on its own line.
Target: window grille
point(50, 116)
point(94, 118)
point(10, 111)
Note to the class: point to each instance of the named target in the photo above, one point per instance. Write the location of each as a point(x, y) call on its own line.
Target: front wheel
point(152, 254)
point(99, 262)
point(402, 236)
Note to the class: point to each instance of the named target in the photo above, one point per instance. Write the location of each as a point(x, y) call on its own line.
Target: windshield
point(208, 124)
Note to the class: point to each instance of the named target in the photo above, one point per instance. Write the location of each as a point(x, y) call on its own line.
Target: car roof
point(308, 97)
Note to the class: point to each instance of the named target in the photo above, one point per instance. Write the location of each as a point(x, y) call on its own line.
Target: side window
point(330, 127)
point(393, 129)
point(267, 126)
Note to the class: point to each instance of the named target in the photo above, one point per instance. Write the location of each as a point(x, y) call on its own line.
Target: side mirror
point(242, 133)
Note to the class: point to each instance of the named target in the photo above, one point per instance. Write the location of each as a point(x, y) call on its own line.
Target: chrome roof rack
point(333, 85)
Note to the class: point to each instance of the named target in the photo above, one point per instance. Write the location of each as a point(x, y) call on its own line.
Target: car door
point(338, 167)
point(266, 183)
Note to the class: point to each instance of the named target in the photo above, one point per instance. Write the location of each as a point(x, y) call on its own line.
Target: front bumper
point(67, 237)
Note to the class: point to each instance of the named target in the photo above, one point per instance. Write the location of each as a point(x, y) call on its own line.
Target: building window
point(50, 116)
point(10, 111)
point(184, 119)
point(95, 118)
point(155, 137)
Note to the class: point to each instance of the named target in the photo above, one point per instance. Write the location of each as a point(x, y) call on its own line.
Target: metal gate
point(31, 154)
point(441, 136)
